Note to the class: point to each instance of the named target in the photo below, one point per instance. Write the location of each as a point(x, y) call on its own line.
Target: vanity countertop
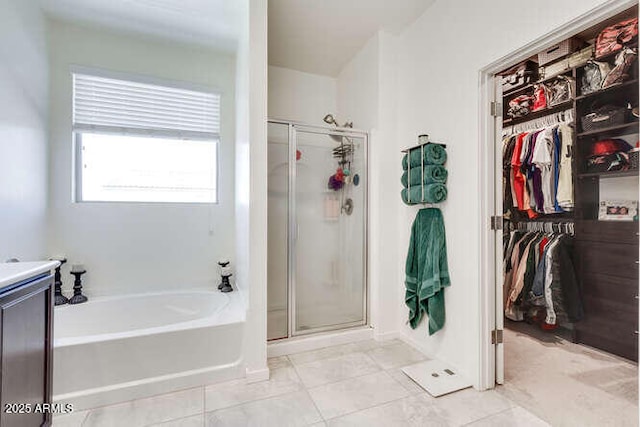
point(13, 272)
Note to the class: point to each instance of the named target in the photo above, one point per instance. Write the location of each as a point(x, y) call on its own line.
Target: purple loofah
point(334, 184)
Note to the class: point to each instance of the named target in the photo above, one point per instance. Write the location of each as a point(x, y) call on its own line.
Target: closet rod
point(547, 226)
point(541, 122)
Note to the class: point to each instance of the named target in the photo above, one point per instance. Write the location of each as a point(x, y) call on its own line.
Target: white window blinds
point(107, 104)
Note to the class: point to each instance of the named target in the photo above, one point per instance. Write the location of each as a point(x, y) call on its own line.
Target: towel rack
point(406, 150)
point(425, 139)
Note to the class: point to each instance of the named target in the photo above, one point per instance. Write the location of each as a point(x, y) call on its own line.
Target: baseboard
point(256, 375)
point(96, 397)
point(316, 341)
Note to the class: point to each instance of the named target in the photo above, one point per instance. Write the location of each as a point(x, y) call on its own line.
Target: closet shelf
point(523, 89)
point(617, 174)
point(537, 114)
point(615, 130)
point(608, 90)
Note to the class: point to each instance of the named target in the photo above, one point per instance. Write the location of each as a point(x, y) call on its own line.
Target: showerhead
point(329, 119)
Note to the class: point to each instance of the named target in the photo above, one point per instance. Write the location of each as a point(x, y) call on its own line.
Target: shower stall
point(317, 229)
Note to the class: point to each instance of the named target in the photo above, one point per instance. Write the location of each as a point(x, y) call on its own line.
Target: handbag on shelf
point(539, 97)
point(614, 37)
point(593, 76)
point(520, 106)
point(620, 72)
point(559, 90)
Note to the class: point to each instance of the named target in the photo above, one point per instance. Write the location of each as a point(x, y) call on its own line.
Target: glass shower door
point(277, 230)
point(329, 235)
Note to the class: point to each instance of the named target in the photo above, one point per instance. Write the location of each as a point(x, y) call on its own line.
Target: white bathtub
point(113, 349)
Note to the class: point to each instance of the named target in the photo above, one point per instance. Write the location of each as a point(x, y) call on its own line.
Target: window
point(139, 142)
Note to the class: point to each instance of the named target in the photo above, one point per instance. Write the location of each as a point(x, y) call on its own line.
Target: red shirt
point(518, 177)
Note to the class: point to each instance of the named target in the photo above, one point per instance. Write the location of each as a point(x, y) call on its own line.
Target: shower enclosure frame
point(294, 127)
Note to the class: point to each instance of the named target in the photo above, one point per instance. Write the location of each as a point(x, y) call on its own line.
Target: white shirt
point(565, 183)
point(543, 158)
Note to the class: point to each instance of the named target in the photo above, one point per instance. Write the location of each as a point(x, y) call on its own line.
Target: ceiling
point(214, 23)
point(321, 36)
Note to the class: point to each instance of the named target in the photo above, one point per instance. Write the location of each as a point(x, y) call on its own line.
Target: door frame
point(490, 199)
point(293, 128)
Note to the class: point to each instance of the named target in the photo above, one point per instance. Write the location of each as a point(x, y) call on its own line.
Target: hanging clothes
point(537, 172)
point(539, 275)
point(565, 181)
point(427, 271)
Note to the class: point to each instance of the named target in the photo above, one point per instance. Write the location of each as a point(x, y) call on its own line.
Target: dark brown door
point(25, 353)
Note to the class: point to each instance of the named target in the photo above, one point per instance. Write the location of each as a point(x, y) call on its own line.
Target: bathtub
point(113, 349)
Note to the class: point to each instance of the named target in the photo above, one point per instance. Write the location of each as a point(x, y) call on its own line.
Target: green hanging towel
point(434, 154)
point(433, 193)
point(433, 174)
point(427, 272)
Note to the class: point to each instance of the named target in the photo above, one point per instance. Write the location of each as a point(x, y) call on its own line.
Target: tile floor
point(569, 384)
point(357, 384)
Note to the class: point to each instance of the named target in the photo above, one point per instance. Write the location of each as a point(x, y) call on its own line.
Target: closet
point(570, 189)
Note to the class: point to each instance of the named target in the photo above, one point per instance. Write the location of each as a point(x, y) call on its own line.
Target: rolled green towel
point(434, 154)
point(433, 193)
point(433, 174)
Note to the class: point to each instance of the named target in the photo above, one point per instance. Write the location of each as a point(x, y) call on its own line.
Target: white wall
point(387, 207)
point(251, 197)
point(366, 95)
point(440, 56)
point(136, 247)
point(23, 131)
point(298, 96)
point(357, 88)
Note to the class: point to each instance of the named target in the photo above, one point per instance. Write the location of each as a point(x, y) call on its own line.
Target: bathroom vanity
point(26, 343)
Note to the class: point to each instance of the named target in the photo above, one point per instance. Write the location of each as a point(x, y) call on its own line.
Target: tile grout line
point(365, 353)
point(381, 369)
point(340, 380)
point(132, 402)
point(186, 416)
point(370, 407)
point(306, 390)
point(487, 416)
point(261, 398)
point(293, 365)
point(204, 405)
point(374, 406)
point(83, 419)
point(377, 346)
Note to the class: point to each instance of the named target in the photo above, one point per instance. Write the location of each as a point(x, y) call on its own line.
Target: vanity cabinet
point(26, 347)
